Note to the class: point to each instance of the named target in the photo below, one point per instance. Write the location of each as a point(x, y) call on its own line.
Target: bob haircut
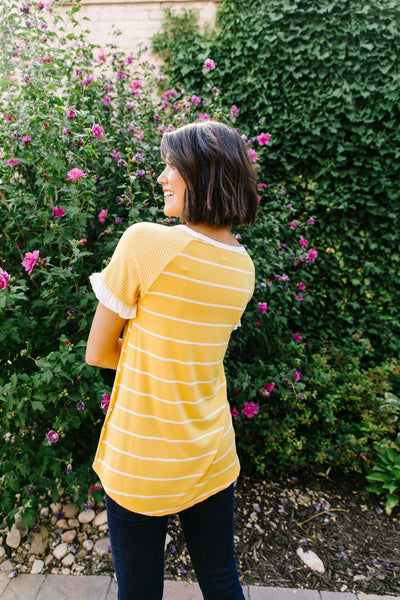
point(221, 182)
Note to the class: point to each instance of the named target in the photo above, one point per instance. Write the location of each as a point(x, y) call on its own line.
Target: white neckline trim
point(211, 241)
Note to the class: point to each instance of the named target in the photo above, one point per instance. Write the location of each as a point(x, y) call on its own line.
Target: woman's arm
point(104, 344)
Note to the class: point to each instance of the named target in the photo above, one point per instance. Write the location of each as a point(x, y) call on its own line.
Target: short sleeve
point(121, 277)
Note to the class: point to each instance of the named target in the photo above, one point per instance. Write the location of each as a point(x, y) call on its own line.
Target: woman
point(167, 445)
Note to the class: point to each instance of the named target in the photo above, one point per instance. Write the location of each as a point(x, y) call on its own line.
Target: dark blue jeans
point(137, 543)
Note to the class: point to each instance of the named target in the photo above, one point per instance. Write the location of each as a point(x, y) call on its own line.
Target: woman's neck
point(217, 233)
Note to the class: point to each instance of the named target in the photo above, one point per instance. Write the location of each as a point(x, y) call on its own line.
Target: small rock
point(103, 527)
point(2, 551)
point(167, 541)
point(62, 524)
point(13, 539)
point(37, 567)
point(359, 577)
point(70, 510)
point(65, 571)
point(55, 508)
point(79, 568)
point(55, 571)
point(88, 544)
point(68, 536)
point(48, 560)
point(100, 519)
point(86, 516)
point(310, 559)
point(68, 560)
point(60, 551)
point(44, 512)
point(7, 565)
point(39, 541)
point(102, 546)
point(73, 523)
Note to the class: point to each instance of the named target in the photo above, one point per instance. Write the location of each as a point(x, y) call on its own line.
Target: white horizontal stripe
point(156, 459)
point(168, 380)
point(181, 299)
point(173, 360)
point(172, 401)
point(208, 262)
point(151, 312)
point(163, 337)
point(132, 412)
point(159, 439)
point(141, 477)
point(225, 287)
point(216, 474)
point(174, 510)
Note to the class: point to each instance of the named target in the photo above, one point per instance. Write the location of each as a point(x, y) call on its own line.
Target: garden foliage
point(80, 130)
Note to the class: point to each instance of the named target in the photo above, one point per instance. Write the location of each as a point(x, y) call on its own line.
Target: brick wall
point(137, 20)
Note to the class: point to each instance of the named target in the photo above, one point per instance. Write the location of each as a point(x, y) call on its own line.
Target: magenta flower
point(302, 286)
point(234, 110)
point(250, 409)
point(75, 174)
point(235, 413)
point(297, 337)
point(13, 162)
point(311, 221)
point(195, 100)
point(58, 212)
point(97, 131)
point(297, 376)
point(303, 242)
point(262, 307)
point(52, 437)
point(135, 86)
point(121, 75)
point(293, 224)
point(252, 154)
point(106, 100)
point(267, 389)
point(26, 139)
point(71, 113)
point(4, 277)
point(105, 403)
point(312, 254)
point(30, 260)
point(300, 297)
point(102, 215)
point(264, 138)
point(102, 57)
point(209, 64)
point(202, 117)
point(7, 118)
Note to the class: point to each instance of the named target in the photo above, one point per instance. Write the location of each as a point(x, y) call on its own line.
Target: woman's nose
point(161, 179)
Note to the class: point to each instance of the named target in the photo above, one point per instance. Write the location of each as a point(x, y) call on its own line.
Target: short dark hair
point(221, 182)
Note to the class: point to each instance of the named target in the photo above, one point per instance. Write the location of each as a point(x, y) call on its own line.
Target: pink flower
point(253, 155)
point(300, 297)
point(105, 403)
point(293, 224)
point(13, 162)
point(234, 110)
point(47, 59)
point(92, 488)
point(52, 437)
point(102, 57)
point(297, 376)
point(250, 409)
point(121, 75)
point(235, 413)
point(4, 277)
point(7, 118)
point(204, 117)
point(311, 221)
point(312, 254)
point(26, 139)
point(195, 100)
point(106, 100)
point(262, 307)
point(209, 64)
point(58, 212)
point(30, 260)
point(97, 131)
point(303, 242)
point(297, 337)
point(264, 138)
point(75, 174)
point(302, 286)
point(102, 215)
point(71, 113)
point(267, 389)
point(135, 85)
point(83, 241)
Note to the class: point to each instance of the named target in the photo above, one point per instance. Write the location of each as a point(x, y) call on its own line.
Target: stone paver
point(338, 596)
point(362, 596)
point(70, 587)
point(23, 587)
point(270, 593)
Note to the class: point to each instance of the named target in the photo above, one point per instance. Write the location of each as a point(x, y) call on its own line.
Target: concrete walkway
point(97, 587)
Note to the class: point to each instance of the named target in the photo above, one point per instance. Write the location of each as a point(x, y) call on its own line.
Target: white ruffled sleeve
point(109, 299)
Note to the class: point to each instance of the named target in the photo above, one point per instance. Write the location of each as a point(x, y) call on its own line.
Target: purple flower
point(30, 490)
point(26, 139)
point(69, 469)
point(262, 307)
point(105, 403)
point(80, 405)
point(118, 220)
point(118, 200)
point(235, 110)
point(297, 337)
point(71, 312)
point(52, 436)
point(311, 221)
point(195, 100)
point(16, 135)
point(141, 174)
point(25, 9)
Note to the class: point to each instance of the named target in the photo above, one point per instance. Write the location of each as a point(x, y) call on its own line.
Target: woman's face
point(174, 187)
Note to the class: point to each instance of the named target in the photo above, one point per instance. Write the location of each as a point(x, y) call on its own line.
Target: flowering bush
point(80, 133)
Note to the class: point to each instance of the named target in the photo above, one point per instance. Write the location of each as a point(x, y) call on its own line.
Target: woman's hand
point(104, 343)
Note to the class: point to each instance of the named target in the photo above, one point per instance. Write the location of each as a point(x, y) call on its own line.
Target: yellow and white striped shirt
point(167, 440)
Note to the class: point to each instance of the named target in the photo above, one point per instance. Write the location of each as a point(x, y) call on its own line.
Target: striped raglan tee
point(167, 441)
